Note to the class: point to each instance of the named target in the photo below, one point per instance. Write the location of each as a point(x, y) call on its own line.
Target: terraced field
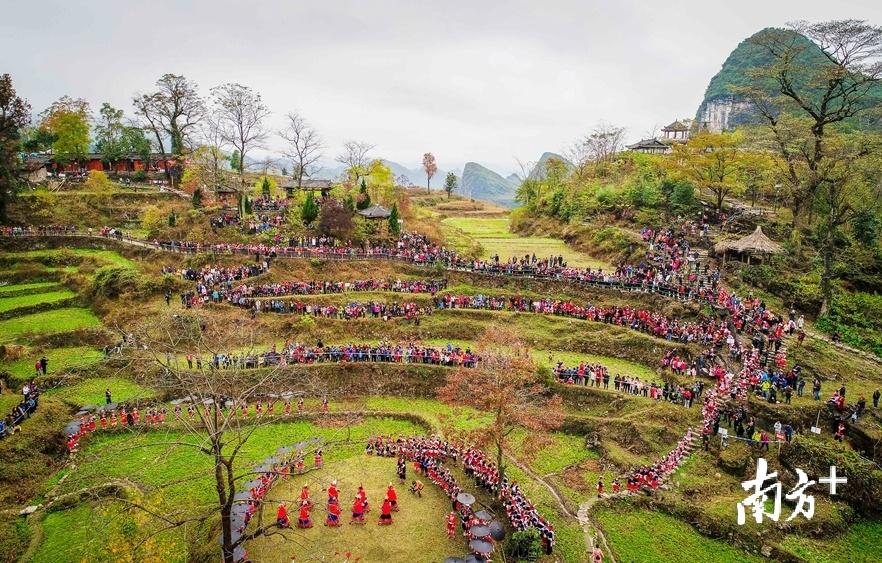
point(495, 238)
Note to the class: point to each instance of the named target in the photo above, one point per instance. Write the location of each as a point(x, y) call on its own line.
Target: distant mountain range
point(479, 182)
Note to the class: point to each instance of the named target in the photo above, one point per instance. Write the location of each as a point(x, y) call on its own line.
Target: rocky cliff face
point(722, 114)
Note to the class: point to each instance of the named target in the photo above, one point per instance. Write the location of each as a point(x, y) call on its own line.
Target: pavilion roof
point(756, 242)
point(648, 144)
point(676, 126)
point(375, 212)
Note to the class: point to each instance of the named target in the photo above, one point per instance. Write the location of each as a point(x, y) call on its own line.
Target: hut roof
point(375, 212)
point(648, 144)
point(756, 242)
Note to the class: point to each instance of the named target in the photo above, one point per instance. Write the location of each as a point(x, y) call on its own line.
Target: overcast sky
point(484, 81)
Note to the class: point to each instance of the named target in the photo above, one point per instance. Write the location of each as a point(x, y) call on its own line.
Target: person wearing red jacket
point(333, 519)
point(357, 511)
point(282, 516)
point(386, 512)
point(392, 496)
point(451, 525)
point(303, 521)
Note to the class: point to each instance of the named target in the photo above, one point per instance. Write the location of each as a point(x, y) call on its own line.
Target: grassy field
point(176, 478)
point(418, 532)
point(60, 359)
point(12, 289)
point(495, 238)
point(24, 301)
point(52, 255)
point(48, 322)
point(653, 537)
point(859, 545)
point(91, 391)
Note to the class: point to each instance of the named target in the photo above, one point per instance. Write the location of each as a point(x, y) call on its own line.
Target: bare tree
point(241, 114)
point(172, 111)
point(211, 153)
point(304, 147)
point(430, 168)
point(355, 158)
point(600, 145)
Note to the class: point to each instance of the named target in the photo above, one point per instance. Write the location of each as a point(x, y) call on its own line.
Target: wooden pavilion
point(754, 244)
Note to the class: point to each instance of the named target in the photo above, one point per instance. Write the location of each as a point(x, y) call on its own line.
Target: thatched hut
point(754, 244)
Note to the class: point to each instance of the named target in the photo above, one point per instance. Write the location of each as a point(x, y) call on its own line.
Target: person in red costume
point(386, 512)
point(333, 493)
point(393, 497)
point(451, 525)
point(357, 511)
point(282, 516)
point(303, 521)
point(333, 519)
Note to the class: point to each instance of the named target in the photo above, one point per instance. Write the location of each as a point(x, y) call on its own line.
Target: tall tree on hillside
point(355, 158)
point(172, 111)
point(304, 147)
point(110, 139)
point(14, 116)
point(241, 113)
point(810, 101)
point(450, 183)
point(598, 146)
point(807, 115)
point(505, 385)
point(430, 167)
point(710, 161)
point(67, 121)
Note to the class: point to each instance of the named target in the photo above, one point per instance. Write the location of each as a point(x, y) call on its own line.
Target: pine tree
point(197, 198)
point(394, 225)
point(364, 199)
point(265, 188)
point(309, 210)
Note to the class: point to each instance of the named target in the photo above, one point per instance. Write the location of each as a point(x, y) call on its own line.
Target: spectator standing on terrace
point(44, 364)
point(107, 396)
point(876, 395)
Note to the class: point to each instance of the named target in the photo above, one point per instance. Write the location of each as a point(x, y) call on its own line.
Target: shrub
point(112, 281)
point(525, 545)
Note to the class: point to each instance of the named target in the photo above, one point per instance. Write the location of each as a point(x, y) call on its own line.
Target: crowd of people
point(293, 353)
point(30, 400)
point(597, 376)
point(428, 455)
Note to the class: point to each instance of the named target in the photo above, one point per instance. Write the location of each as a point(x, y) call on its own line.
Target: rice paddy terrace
point(90, 307)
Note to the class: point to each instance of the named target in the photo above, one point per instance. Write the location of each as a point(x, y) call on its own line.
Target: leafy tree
point(197, 198)
point(867, 227)
point(394, 226)
point(136, 142)
point(505, 385)
point(309, 210)
point(430, 167)
point(364, 198)
point(680, 196)
point(235, 160)
point(711, 161)
point(823, 164)
point(67, 120)
point(450, 183)
point(14, 116)
point(110, 138)
point(809, 101)
point(335, 220)
point(36, 139)
point(172, 219)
